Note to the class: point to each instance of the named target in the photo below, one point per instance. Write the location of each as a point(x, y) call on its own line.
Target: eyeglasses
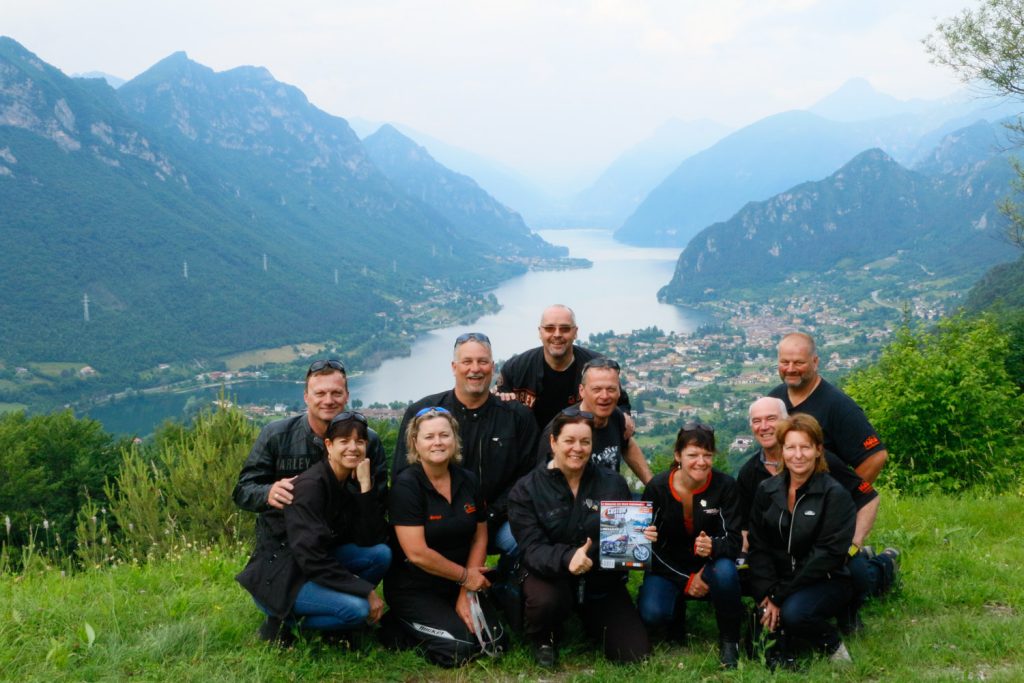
point(472, 336)
point(349, 415)
point(325, 363)
point(698, 426)
point(601, 363)
point(432, 409)
point(551, 329)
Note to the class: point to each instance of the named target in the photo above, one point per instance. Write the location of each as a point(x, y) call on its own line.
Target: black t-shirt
point(848, 433)
point(561, 389)
point(448, 528)
point(754, 472)
point(609, 445)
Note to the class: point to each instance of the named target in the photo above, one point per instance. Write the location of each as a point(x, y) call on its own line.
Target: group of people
point(520, 470)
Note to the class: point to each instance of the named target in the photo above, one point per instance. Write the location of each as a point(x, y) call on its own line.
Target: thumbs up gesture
point(580, 563)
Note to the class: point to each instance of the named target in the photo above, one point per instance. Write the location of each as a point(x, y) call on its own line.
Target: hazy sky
point(552, 87)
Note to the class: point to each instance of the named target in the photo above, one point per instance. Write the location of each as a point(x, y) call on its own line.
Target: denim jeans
point(323, 609)
point(806, 614)
point(659, 604)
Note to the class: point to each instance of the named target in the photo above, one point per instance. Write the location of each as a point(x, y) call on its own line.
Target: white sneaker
point(840, 654)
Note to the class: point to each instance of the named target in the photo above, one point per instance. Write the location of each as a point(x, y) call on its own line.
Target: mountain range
point(873, 215)
point(202, 212)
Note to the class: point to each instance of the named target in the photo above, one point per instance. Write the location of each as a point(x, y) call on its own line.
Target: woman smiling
point(801, 527)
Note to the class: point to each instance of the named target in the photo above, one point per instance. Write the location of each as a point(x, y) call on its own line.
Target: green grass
point(11, 407)
point(54, 368)
point(958, 616)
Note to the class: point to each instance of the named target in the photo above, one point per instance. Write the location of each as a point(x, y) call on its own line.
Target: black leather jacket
point(299, 540)
point(789, 551)
point(286, 448)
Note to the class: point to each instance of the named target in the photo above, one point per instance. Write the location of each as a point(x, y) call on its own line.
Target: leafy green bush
point(180, 487)
point(49, 464)
point(946, 407)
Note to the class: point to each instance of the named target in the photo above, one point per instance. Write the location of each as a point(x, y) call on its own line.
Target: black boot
point(276, 632)
point(728, 654)
point(544, 653)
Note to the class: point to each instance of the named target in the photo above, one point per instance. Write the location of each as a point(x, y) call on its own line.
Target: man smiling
point(498, 437)
point(546, 379)
point(599, 395)
point(848, 433)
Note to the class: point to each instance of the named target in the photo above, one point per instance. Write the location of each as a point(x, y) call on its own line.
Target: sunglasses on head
point(325, 363)
point(472, 336)
point(601, 363)
point(432, 409)
point(693, 425)
point(349, 415)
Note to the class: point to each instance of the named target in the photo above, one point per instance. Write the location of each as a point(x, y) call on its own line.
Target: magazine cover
point(623, 545)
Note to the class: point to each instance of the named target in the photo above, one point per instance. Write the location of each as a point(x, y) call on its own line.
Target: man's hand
point(506, 395)
point(280, 493)
point(580, 563)
point(630, 425)
point(462, 609)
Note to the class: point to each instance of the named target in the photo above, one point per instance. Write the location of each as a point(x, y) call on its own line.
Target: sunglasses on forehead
point(325, 363)
point(472, 336)
point(601, 363)
point(693, 425)
point(349, 415)
point(432, 409)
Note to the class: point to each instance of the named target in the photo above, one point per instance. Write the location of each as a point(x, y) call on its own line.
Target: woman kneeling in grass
point(801, 527)
point(325, 553)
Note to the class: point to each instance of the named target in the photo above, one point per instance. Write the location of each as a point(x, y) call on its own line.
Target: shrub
point(946, 407)
point(180, 487)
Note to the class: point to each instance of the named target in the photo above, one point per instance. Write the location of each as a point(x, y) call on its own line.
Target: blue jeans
point(324, 609)
point(659, 603)
point(806, 614)
point(505, 542)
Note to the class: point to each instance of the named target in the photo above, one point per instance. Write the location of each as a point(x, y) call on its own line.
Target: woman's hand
point(462, 609)
point(363, 476)
point(580, 563)
point(770, 614)
point(475, 579)
point(651, 534)
point(702, 545)
point(696, 587)
point(376, 607)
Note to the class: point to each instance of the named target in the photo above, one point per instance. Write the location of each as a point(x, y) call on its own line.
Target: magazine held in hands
point(623, 544)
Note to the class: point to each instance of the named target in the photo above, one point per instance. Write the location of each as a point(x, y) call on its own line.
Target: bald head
point(798, 362)
point(557, 331)
point(765, 413)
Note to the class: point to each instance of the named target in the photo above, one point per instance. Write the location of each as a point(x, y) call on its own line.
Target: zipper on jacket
point(792, 523)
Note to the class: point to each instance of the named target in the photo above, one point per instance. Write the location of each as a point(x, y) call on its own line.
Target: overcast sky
point(552, 87)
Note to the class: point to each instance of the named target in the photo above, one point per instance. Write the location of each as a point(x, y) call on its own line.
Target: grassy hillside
point(957, 617)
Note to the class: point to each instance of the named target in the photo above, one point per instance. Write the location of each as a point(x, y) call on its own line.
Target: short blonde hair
point(804, 424)
point(414, 430)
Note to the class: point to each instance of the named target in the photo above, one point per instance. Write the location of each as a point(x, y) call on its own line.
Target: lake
point(618, 293)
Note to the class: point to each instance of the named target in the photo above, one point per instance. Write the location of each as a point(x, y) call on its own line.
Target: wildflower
point(7, 523)
point(46, 524)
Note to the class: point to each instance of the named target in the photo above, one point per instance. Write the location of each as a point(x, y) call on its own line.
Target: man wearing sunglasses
point(547, 379)
point(599, 392)
point(286, 448)
point(499, 438)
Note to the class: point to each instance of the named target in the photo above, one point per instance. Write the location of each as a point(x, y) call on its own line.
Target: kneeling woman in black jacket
point(325, 552)
point(697, 514)
point(801, 528)
point(555, 516)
